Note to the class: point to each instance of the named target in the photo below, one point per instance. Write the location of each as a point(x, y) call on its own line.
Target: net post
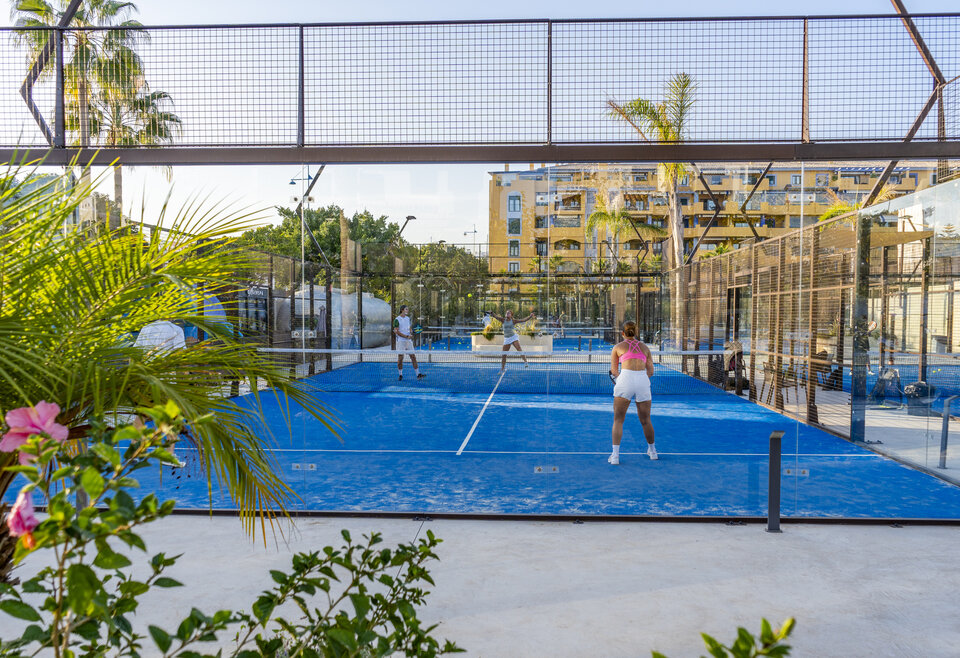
point(328, 319)
point(773, 489)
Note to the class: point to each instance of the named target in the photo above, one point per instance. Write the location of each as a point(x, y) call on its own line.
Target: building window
point(894, 180)
point(823, 180)
point(513, 266)
point(795, 179)
point(566, 222)
point(684, 201)
point(514, 248)
point(513, 203)
point(634, 245)
point(708, 204)
point(772, 180)
point(684, 181)
point(540, 222)
point(513, 226)
point(567, 245)
point(637, 178)
point(541, 247)
point(716, 180)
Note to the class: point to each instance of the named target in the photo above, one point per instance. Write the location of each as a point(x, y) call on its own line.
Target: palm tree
point(86, 53)
point(134, 116)
point(840, 206)
point(720, 249)
point(69, 299)
point(556, 261)
point(616, 222)
point(664, 122)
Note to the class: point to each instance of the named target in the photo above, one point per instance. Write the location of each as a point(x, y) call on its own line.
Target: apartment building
point(538, 215)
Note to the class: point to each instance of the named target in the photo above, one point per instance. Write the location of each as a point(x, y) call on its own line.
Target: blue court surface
point(450, 444)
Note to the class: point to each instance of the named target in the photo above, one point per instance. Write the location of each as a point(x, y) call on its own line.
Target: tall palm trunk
point(675, 254)
point(87, 209)
point(117, 222)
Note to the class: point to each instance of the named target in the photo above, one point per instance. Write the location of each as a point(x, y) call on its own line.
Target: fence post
point(945, 431)
point(301, 102)
point(773, 490)
point(861, 342)
point(59, 116)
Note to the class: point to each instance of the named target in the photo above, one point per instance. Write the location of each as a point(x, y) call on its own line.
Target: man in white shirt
point(161, 336)
point(402, 328)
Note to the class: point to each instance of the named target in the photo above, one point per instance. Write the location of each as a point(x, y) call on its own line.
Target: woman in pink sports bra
point(631, 367)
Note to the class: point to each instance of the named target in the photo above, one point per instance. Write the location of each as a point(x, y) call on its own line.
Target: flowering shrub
point(84, 603)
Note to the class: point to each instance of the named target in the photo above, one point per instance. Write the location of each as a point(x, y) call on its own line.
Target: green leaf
point(263, 608)
point(106, 453)
point(82, 586)
point(766, 633)
point(92, 482)
point(34, 633)
point(19, 609)
point(787, 628)
point(163, 581)
point(343, 637)
point(160, 637)
point(186, 628)
point(361, 604)
point(108, 559)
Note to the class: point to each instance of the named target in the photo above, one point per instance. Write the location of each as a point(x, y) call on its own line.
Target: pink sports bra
point(634, 351)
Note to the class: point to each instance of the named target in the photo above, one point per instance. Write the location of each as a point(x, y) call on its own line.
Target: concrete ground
point(619, 589)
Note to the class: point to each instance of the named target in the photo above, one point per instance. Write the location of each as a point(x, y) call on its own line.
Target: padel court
point(467, 439)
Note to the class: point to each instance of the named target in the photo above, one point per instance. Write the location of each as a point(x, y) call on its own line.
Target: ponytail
point(630, 329)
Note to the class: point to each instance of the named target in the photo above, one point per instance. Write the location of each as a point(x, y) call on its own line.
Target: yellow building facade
point(538, 215)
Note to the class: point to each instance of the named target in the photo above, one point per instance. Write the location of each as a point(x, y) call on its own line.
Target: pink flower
point(28, 421)
point(22, 520)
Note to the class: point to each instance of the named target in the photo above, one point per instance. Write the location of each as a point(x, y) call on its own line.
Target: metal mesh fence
point(493, 82)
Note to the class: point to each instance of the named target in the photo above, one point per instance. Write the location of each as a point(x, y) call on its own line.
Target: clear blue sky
point(447, 200)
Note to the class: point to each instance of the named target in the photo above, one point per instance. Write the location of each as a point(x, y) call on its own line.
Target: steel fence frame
point(550, 110)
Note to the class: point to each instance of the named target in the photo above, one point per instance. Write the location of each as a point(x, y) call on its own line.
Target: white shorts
point(633, 384)
point(404, 345)
point(513, 339)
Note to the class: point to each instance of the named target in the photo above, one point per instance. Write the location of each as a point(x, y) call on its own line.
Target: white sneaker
point(615, 460)
point(652, 452)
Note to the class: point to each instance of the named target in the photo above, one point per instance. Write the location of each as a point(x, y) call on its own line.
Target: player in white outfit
point(401, 327)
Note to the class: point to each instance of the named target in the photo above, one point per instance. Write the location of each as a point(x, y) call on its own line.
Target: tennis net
point(675, 373)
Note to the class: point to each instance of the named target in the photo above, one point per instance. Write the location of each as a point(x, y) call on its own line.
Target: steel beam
point(489, 153)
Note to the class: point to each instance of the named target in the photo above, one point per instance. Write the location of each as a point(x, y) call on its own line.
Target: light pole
point(302, 200)
point(474, 232)
point(442, 311)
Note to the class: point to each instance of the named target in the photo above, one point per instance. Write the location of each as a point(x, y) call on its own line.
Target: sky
point(449, 201)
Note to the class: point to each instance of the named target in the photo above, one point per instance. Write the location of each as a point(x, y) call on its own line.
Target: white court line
point(477, 421)
point(566, 452)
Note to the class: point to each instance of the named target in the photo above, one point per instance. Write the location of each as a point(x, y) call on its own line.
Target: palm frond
point(69, 301)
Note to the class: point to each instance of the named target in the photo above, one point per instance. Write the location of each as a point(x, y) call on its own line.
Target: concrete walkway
point(619, 589)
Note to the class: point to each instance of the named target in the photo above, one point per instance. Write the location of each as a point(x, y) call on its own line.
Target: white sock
point(616, 451)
